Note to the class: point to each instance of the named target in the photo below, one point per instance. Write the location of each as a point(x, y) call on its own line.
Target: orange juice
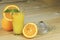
point(18, 23)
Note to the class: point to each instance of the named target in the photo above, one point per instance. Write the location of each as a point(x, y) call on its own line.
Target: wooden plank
point(51, 35)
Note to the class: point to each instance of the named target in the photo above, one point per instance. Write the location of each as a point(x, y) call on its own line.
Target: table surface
point(54, 34)
point(41, 11)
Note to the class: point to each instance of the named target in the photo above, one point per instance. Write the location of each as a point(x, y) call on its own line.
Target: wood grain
point(54, 34)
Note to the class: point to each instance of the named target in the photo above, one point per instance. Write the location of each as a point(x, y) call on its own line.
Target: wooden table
point(54, 34)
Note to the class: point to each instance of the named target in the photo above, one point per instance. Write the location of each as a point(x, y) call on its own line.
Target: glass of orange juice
point(18, 23)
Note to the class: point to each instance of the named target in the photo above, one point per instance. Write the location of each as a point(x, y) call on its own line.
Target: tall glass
point(18, 23)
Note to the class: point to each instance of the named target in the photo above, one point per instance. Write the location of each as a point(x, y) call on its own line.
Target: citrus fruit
point(9, 10)
point(30, 30)
point(6, 25)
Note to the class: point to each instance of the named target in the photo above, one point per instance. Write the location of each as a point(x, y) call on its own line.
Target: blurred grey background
point(34, 10)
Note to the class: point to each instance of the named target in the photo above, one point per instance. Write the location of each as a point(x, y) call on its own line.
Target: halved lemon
point(30, 30)
point(8, 15)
